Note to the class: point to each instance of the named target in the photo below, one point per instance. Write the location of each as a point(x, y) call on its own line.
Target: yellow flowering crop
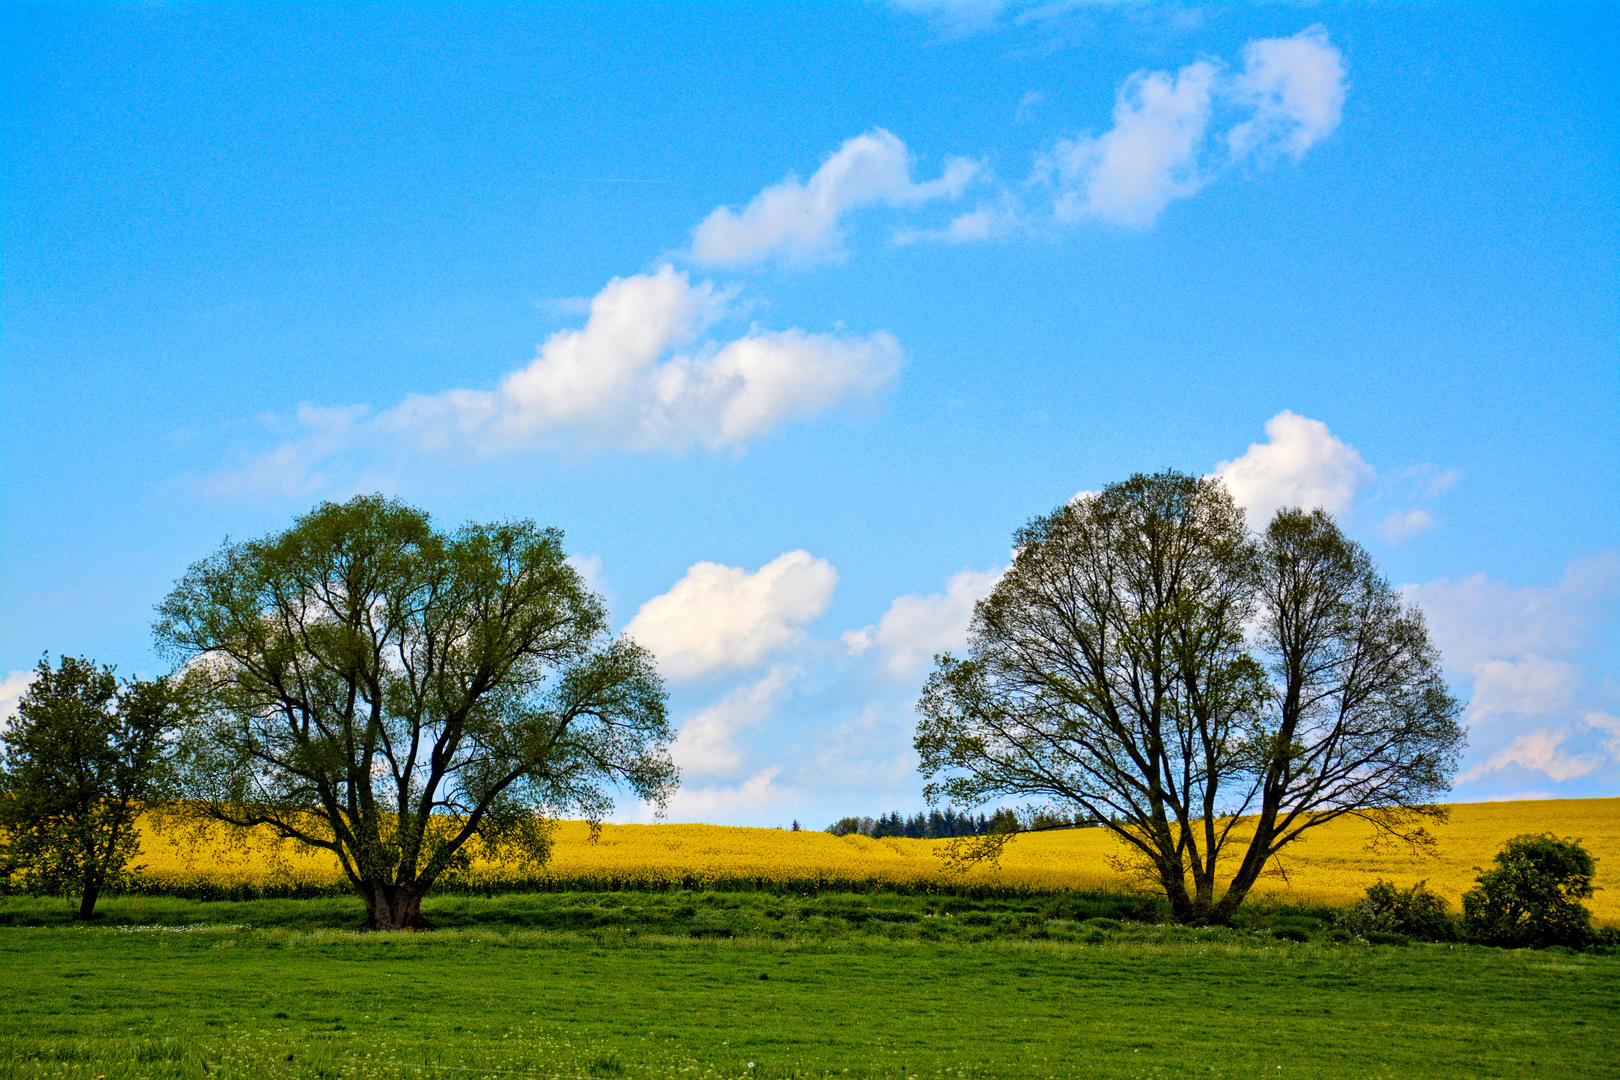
point(1330, 865)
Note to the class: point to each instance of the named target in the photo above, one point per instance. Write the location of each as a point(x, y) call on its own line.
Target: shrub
point(1531, 896)
point(1391, 911)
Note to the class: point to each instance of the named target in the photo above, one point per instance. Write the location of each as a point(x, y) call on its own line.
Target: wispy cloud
point(801, 220)
point(1405, 525)
point(1173, 133)
point(706, 745)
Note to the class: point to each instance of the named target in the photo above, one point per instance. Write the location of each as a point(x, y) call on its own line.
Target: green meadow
point(756, 985)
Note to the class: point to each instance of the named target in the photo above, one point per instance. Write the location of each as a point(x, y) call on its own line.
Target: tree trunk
point(87, 902)
point(393, 907)
point(1254, 861)
point(1173, 882)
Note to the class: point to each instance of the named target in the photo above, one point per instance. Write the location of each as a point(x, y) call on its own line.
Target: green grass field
point(817, 986)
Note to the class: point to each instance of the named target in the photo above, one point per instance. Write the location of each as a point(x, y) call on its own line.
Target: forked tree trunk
point(393, 907)
point(1175, 889)
point(1248, 872)
point(87, 901)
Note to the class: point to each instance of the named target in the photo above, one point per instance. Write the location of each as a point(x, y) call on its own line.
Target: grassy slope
point(1144, 1001)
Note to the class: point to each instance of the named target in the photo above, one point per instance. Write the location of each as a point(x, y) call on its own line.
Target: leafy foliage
point(1531, 897)
point(83, 756)
point(391, 694)
point(1413, 912)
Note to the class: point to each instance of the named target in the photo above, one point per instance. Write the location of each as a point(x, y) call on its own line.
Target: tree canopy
point(404, 698)
point(1207, 694)
point(81, 759)
point(1532, 895)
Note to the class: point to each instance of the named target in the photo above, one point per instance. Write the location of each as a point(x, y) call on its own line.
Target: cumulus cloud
point(621, 379)
point(1167, 140)
point(638, 375)
point(719, 618)
point(916, 627)
point(801, 220)
point(706, 745)
point(1302, 463)
point(1520, 653)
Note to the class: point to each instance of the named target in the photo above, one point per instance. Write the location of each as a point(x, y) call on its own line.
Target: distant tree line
point(948, 823)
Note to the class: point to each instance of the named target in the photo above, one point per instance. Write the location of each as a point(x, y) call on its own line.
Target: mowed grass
point(1136, 1001)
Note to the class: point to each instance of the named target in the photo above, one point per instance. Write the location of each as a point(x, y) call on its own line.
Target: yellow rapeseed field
point(1331, 865)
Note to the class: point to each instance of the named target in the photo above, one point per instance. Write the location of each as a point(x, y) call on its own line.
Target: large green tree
point(1210, 695)
point(82, 757)
point(403, 697)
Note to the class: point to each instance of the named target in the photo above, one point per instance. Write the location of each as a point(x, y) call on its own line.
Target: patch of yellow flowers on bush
point(1332, 864)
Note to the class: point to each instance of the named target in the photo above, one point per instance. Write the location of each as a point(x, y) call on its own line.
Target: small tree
point(82, 757)
point(1207, 694)
point(389, 693)
point(1415, 912)
point(1531, 897)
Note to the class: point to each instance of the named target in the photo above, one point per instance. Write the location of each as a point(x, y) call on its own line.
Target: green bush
point(1407, 913)
point(1531, 897)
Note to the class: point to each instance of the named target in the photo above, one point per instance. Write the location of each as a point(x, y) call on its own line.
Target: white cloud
point(605, 382)
point(1301, 464)
point(916, 627)
point(1296, 86)
point(801, 220)
point(12, 689)
point(1533, 700)
point(723, 617)
point(1129, 174)
point(1406, 525)
point(1537, 751)
point(988, 221)
point(1160, 148)
point(635, 376)
point(706, 744)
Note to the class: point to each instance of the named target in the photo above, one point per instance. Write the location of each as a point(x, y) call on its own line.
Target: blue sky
point(788, 316)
